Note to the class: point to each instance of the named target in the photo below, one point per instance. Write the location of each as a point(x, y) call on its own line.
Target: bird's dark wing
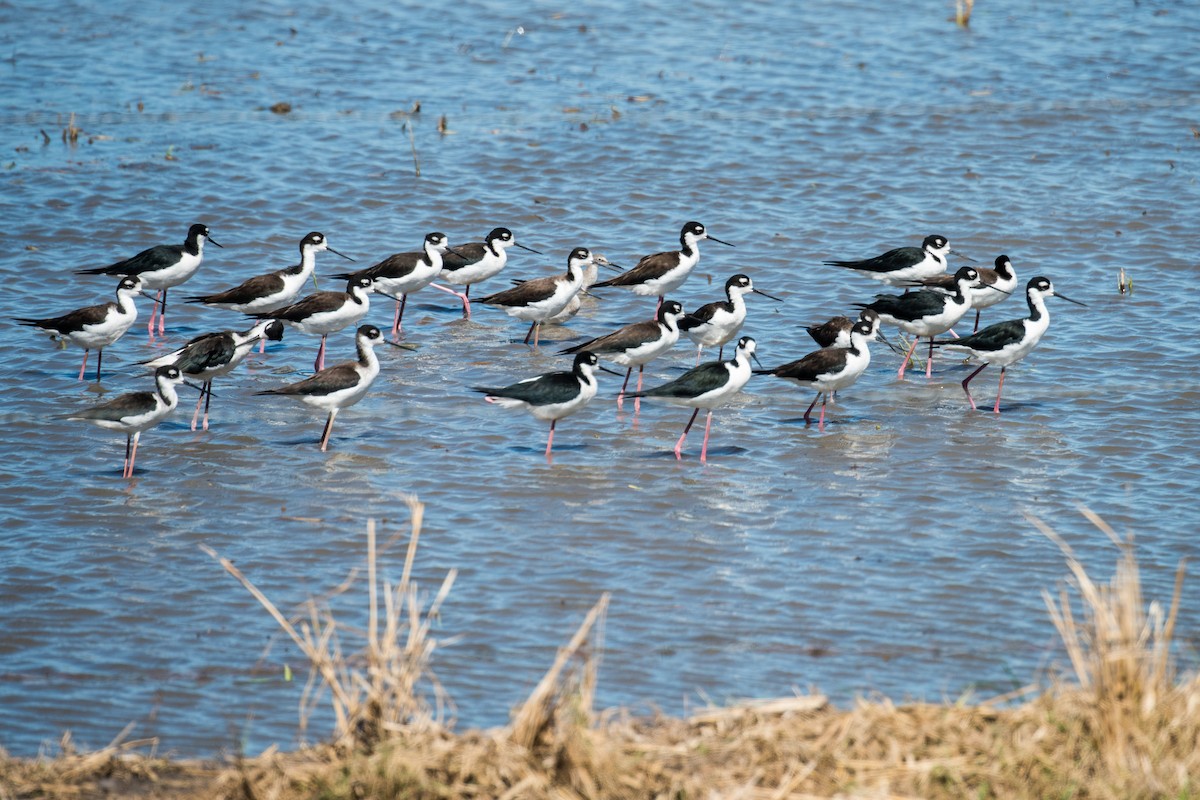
point(313, 304)
point(811, 367)
point(205, 352)
point(911, 306)
point(620, 340)
point(126, 405)
point(327, 381)
point(891, 260)
point(525, 293)
point(826, 333)
point(544, 390)
point(650, 266)
point(249, 290)
point(154, 258)
point(693, 383)
point(993, 337)
point(74, 320)
point(471, 253)
point(704, 314)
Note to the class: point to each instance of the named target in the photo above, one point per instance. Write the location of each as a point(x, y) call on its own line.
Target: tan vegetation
point(1123, 725)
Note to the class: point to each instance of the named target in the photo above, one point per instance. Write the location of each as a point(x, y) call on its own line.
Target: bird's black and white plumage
point(537, 300)
point(662, 273)
point(551, 396)
point(133, 413)
point(94, 327)
point(1006, 343)
point(341, 385)
point(401, 274)
point(706, 386)
point(836, 331)
point(714, 324)
point(638, 344)
point(214, 354)
point(274, 290)
point(928, 312)
point(830, 368)
point(161, 267)
point(902, 264)
point(323, 313)
point(475, 262)
point(994, 285)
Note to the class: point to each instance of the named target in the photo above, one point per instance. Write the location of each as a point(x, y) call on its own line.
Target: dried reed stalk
point(373, 690)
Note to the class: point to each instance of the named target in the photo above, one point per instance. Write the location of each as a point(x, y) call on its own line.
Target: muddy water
point(889, 553)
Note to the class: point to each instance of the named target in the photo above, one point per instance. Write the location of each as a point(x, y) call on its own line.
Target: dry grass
point(1123, 725)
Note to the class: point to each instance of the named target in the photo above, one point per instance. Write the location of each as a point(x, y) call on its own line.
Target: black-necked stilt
point(324, 313)
point(714, 324)
point(707, 386)
point(662, 273)
point(276, 289)
point(1006, 343)
point(94, 327)
point(927, 312)
point(341, 385)
point(995, 285)
point(135, 412)
point(161, 267)
point(638, 344)
point(905, 263)
point(836, 332)
point(590, 274)
point(475, 262)
point(830, 368)
point(551, 396)
point(214, 354)
point(401, 274)
point(537, 300)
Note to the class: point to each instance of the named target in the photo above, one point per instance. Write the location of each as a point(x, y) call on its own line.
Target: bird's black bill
point(764, 294)
point(609, 371)
point(1069, 300)
point(962, 255)
point(211, 241)
point(712, 238)
point(610, 265)
point(199, 388)
point(157, 302)
point(343, 255)
point(463, 256)
point(756, 361)
point(404, 346)
point(530, 249)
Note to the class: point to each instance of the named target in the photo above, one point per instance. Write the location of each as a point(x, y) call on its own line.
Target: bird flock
point(933, 302)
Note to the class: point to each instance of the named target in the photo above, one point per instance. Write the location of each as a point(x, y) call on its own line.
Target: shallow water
point(889, 553)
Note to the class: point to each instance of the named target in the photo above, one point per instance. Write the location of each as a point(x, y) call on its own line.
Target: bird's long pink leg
point(1001, 389)
point(319, 364)
point(908, 355)
point(821, 420)
point(637, 401)
point(929, 362)
point(125, 464)
point(196, 413)
point(133, 455)
point(704, 447)
point(968, 380)
point(679, 444)
point(153, 313)
point(328, 430)
point(466, 301)
point(808, 411)
point(162, 315)
point(550, 441)
point(207, 399)
point(699, 349)
point(530, 333)
point(83, 366)
point(657, 307)
point(621, 396)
